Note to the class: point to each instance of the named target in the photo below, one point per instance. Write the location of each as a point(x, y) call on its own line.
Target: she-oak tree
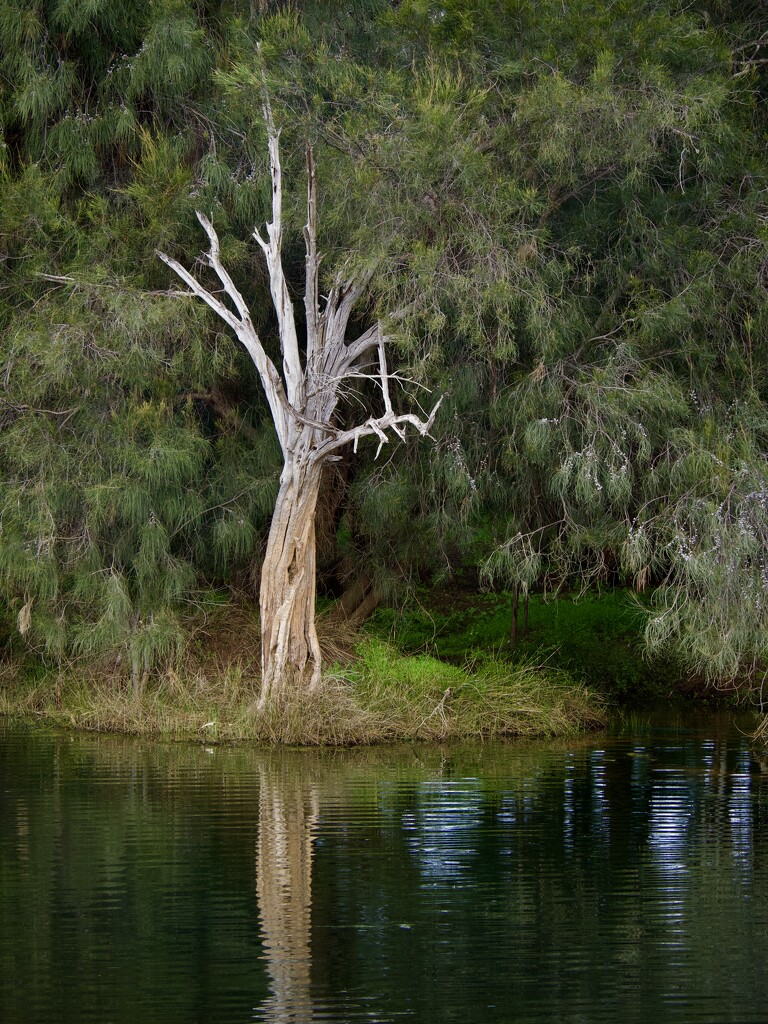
point(303, 403)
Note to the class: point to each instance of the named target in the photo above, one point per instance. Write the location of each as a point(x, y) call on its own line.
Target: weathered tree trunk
point(303, 403)
point(358, 602)
point(290, 651)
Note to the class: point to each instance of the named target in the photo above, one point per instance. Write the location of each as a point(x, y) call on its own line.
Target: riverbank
point(447, 666)
point(381, 696)
point(596, 638)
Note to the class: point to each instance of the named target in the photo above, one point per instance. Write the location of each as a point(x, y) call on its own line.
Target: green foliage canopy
point(565, 205)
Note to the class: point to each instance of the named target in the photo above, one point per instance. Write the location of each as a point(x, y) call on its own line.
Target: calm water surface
point(619, 878)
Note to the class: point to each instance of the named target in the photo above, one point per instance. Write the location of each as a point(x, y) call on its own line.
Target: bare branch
point(753, 44)
point(195, 288)
point(66, 413)
point(347, 358)
point(343, 358)
point(368, 339)
point(311, 287)
point(379, 425)
point(384, 375)
point(341, 300)
point(214, 260)
point(242, 325)
point(272, 249)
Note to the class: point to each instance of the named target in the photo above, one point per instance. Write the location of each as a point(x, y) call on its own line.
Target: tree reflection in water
point(288, 814)
point(615, 877)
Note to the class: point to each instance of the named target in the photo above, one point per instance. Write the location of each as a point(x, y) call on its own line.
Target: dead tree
point(303, 400)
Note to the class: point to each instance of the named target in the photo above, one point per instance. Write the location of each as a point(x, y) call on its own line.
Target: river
point(620, 877)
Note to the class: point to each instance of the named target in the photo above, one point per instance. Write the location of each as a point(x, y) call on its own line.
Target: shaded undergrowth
point(596, 638)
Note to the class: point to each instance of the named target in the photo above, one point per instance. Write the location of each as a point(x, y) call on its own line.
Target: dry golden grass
point(381, 697)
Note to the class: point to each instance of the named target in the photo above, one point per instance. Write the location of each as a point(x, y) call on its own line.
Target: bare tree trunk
point(290, 651)
point(358, 602)
point(365, 609)
point(303, 401)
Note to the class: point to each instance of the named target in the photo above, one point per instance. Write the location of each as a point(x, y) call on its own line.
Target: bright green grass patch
point(596, 638)
point(421, 697)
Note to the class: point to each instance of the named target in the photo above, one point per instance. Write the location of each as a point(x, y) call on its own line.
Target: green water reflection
point(619, 877)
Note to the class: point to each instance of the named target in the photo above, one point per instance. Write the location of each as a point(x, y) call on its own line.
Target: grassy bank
point(380, 696)
point(595, 638)
point(442, 668)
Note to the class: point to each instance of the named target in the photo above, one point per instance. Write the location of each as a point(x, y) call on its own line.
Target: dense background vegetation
point(569, 200)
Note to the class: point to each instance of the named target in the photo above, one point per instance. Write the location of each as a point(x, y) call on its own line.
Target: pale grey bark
point(303, 402)
point(289, 810)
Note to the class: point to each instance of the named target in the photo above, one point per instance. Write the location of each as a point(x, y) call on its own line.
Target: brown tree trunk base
point(515, 612)
point(290, 650)
point(358, 602)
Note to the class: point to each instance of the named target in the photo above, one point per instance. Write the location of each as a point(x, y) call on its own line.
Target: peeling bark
point(290, 650)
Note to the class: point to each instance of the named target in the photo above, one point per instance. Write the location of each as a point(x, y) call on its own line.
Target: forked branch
point(379, 425)
point(303, 400)
point(242, 325)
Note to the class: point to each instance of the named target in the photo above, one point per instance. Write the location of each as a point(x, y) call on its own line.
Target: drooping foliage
point(563, 203)
point(590, 284)
point(129, 473)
